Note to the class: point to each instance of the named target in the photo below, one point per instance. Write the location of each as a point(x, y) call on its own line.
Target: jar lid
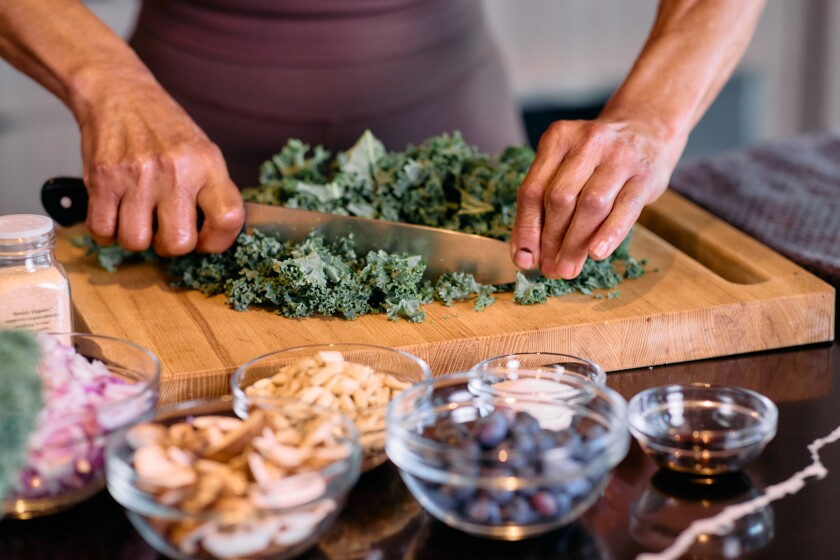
point(24, 226)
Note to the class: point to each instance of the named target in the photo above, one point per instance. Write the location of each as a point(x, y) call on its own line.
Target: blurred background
point(564, 57)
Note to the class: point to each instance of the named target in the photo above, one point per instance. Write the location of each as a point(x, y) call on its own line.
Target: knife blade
point(65, 200)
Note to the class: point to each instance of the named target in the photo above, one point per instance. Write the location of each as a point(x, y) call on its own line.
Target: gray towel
point(785, 194)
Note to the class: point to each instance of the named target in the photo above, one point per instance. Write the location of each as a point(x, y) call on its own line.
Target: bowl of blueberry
point(502, 465)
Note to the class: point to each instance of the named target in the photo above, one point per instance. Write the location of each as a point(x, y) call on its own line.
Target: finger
point(224, 214)
point(527, 226)
point(626, 210)
point(594, 205)
point(176, 233)
point(102, 214)
point(136, 214)
point(561, 199)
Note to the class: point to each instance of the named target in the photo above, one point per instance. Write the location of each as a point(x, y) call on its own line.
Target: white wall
point(39, 138)
point(558, 51)
point(564, 51)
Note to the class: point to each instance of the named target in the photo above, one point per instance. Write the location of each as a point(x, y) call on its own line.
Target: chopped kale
point(462, 286)
point(112, 256)
point(633, 268)
point(529, 292)
point(443, 182)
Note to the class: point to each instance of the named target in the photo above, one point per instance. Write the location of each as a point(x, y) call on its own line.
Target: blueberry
point(545, 440)
point(544, 503)
point(507, 413)
point(563, 501)
point(466, 466)
point(558, 463)
point(528, 491)
point(501, 496)
point(566, 438)
point(483, 510)
point(523, 440)
point(491, 430)
point(520, 511)
point(444, 499)
point(457, 494)
point(513, 456)
point(527, 423)
point(577, 487)
point(451, 433)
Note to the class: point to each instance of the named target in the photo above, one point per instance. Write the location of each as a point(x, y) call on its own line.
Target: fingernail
point(566, 270)
point(524, 259)
point(599, 250)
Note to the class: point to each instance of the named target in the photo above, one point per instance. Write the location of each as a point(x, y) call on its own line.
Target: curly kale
point(462, 286)
point(20, 400)
point(110, 257)
point(443, 182)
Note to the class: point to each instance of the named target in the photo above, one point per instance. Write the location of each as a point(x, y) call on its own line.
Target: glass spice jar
point(34, 290)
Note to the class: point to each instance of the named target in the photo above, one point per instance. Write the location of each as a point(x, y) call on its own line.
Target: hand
point(586, 189)
point(146, 161)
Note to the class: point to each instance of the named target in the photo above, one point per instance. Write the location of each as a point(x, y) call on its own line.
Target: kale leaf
point(443, 182)
point(21, 400)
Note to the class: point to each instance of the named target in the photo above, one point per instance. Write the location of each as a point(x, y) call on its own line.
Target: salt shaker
point(34, 290)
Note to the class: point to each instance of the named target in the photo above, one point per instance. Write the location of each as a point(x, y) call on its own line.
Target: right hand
point(145, 159)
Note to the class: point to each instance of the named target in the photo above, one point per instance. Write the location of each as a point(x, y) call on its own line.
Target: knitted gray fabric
point(785, 194)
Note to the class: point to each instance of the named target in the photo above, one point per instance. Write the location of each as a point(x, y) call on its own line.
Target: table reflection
point(435, 541)
point(788, 375)
point(671, 501)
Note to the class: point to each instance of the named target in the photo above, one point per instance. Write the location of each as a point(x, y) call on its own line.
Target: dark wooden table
point(642, 509)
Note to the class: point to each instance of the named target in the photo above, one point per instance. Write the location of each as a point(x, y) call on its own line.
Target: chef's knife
point(65, 200)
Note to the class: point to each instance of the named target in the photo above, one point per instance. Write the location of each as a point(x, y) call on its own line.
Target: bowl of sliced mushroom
point(358, 380)
point(198, 482)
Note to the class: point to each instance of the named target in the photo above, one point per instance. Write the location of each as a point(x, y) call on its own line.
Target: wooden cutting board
point(716, 292)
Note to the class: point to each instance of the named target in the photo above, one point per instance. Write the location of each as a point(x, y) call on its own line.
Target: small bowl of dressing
point(700, 428)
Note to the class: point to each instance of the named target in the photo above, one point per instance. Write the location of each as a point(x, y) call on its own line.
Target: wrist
point(659, 124)
point(94, 85)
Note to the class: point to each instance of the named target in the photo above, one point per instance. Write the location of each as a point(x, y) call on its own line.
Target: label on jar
point(37, 301)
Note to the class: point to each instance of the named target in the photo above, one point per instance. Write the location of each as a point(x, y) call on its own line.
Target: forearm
point(692, 50)
point(67, 49)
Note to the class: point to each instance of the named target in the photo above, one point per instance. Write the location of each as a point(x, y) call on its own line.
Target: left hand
point(586, 189)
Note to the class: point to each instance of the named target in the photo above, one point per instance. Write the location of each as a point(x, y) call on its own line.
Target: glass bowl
point(506, 467)
point(547, 361)
point(361, 391)
point(198, 482)
point(93, 386)
point(700, 428)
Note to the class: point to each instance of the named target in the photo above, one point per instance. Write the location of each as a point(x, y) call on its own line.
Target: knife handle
point(65, 199)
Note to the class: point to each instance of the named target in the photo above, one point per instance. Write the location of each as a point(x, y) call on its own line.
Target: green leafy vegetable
point(20, 400)
point(443, 182)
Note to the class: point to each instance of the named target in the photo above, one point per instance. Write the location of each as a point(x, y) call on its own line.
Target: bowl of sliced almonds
point(358, 380)
point(198, 482)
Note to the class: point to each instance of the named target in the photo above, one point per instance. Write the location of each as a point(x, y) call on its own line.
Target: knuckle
point(595, 132)
point(134, 242)
point(559, 198)
point(631, 201)
point(595, 202)
point(180, 245)
point(99, 228)
point(230, 219)
point(555, 130)
point(205, 150)
point(529, 194)
point(167, 164)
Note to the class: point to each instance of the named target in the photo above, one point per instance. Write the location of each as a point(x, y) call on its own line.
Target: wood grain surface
point(716, 292)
